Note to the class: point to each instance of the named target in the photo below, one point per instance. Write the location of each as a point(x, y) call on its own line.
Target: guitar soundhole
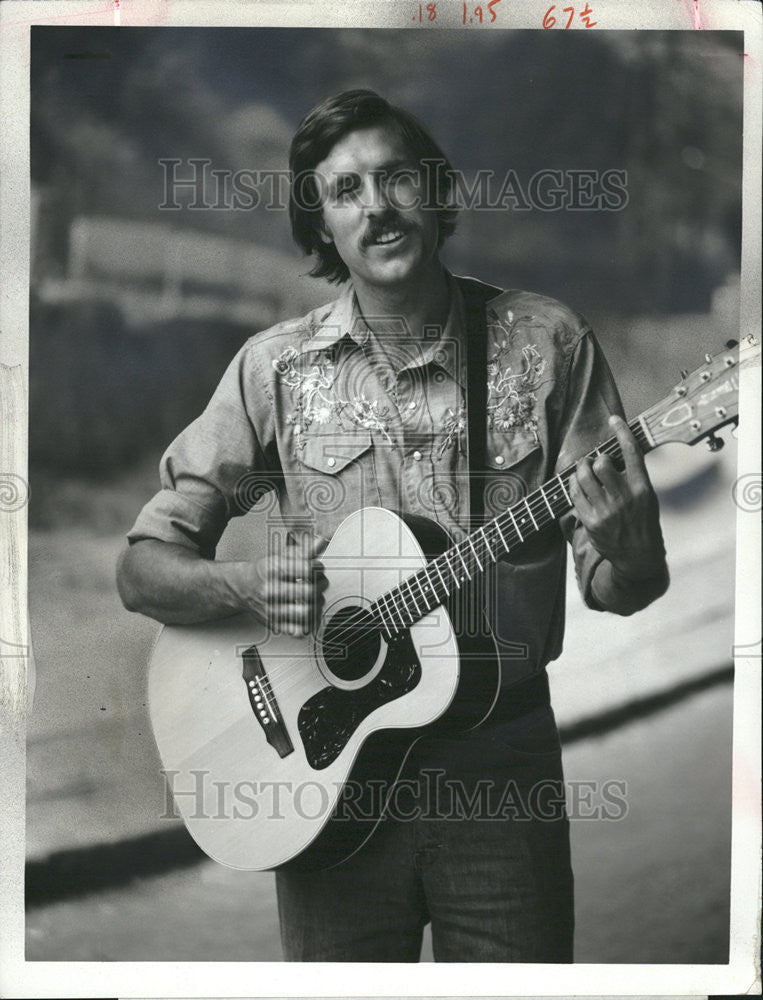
point(328, 719)
point(351, 644)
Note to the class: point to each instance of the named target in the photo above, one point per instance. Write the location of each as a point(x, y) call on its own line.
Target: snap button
point(499, 459)
point(417, 456)
point(412, 405)
point(331, 462)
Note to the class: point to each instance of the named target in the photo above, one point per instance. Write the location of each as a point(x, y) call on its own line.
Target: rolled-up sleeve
point(591, 397)
point(206, 474)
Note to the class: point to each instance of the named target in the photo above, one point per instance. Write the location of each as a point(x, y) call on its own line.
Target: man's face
point(372, 210)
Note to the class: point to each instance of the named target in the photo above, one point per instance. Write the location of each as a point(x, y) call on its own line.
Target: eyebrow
point(386, 167)
point(393, 164)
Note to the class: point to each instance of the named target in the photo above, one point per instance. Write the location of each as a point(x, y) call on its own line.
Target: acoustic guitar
point(282, 750)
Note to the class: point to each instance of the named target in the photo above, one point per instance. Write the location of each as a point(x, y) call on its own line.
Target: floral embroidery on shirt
point(453, 426)
point(511, 399)
point(316, 401)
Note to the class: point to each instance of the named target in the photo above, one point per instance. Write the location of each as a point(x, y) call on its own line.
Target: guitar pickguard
point(328, 719)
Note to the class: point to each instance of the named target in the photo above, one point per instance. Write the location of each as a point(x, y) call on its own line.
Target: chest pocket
point(521, 471)
point(336, 474)
point(515, 461)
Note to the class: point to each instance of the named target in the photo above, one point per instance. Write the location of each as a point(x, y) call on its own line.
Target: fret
point(471, 546)
point(466, 568)
point(516, 526)
point(405, 609)
point(392, 616)
point(564, 489)
point(547, 503)
point(395, 607)
point(498, 529)
point(424, 596)
point(407, 606)
point(385, 603)
point(644, 428)
point(384, 625)
point(415, 602)
point(447, 563)
point(442, 578)
point(531, 514)
point(487, 543)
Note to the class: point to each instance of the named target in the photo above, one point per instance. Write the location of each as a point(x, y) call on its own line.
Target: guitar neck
point(425, 590)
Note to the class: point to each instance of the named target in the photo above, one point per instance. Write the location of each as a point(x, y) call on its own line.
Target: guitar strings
point(540, 515)
point(364, 625)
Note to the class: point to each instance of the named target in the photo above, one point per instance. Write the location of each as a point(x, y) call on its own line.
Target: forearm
point(174, 585)
point(615, 591)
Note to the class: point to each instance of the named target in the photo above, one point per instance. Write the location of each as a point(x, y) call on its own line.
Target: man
point(365, 400)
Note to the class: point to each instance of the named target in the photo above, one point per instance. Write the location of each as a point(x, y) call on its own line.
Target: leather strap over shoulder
point(476, 296)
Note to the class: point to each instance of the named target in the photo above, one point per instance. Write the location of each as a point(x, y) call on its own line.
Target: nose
point(376, 195)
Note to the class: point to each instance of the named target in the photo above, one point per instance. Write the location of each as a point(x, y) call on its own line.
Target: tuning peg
point(684, 373)
point(715, 443)
point(731, 344)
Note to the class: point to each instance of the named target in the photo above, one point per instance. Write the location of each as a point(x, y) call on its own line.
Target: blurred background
point(135, 312)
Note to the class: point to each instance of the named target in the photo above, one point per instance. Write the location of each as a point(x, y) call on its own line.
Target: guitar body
point(280, 750)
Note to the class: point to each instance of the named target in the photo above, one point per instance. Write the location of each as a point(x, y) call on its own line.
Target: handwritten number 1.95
point(477, 15)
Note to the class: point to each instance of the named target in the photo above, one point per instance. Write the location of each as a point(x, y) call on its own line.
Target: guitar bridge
point(264, 704)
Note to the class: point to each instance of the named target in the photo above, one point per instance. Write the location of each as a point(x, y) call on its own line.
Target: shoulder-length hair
point(317, 134)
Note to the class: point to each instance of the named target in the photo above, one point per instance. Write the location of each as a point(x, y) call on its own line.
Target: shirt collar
point(343, 318)
point(330, 323)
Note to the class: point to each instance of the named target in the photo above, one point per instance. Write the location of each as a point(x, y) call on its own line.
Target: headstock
point(703, 401)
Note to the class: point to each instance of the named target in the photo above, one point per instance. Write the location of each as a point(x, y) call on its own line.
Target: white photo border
point(51, 979)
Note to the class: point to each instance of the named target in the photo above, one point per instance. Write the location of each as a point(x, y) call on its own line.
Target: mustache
point(377, 226)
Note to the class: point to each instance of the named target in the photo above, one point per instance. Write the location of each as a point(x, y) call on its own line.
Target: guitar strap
point(476, 296)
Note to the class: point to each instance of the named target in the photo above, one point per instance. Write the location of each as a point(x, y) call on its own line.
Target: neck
point(423, 301)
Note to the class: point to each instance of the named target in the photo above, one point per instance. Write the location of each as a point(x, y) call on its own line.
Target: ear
point(324, 233)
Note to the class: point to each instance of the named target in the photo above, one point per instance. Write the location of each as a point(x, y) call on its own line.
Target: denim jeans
point(478, 845)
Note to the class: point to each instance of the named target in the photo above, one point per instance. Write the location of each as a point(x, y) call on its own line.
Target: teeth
point(389, 237)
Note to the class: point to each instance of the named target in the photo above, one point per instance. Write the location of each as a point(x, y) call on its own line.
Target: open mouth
point(388, 237)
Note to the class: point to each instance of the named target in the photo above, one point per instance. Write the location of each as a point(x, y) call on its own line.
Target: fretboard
point(398, 609)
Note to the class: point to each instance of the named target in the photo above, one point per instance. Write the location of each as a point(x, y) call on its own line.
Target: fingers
point(635, 467)
point(580, 502)
point(606, 473)
point(310, 546)
point(299, 578)
point(600, 480)
point(299, 559)
point(595, 487)
point(294, 605)
point(588, 481)
point(294, 619)
point(294, 587)
point(295, 613)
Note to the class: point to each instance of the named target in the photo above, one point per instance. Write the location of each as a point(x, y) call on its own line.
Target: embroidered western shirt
point(334, 417)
